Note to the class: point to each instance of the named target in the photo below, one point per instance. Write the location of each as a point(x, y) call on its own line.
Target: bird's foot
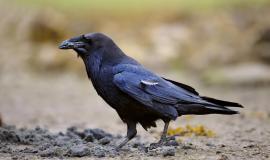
point(118, 148)
point(164, 141)
point(155, 145)
point(122, 144)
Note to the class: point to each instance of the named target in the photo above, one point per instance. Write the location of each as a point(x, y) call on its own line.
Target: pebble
point(98, 151)
point(223, 157)
point(172, 143)
point(98, 133)
point(104, 140)
point(168, 151)
point(89, 137)
point(79, 151)
point(51, 152)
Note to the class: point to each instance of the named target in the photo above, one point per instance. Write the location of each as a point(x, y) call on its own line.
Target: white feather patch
point(150, 83)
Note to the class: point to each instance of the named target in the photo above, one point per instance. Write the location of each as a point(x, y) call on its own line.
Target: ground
point(58, 102)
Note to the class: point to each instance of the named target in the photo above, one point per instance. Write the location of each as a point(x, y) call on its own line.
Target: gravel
point(74, 143)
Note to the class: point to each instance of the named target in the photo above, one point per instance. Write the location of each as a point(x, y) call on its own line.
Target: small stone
point(98, 133)
point(61, 134)
point(154, 146)
point(137, 144)
point(210, 145)
point(172, 143)
point(100, 154)
point(15, 158)
point(223, 145)
point(187, 147)
point(98, 151)
point(47, 153)
point(104, 140)
point(45, 146)
point(168, 151)
point(72, 132)
point(89, 137)
point(256, 153)
point(29, 150)
point(223, 157)
point(72, 129)
point(79, 151)
point(249, 146)
point(118, 136)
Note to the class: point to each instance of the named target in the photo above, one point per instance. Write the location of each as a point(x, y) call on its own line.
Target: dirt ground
point(57, 102)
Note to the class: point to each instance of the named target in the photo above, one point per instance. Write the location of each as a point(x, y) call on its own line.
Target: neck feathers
point(93, 65)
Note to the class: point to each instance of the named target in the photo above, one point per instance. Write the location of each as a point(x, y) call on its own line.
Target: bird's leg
point(163, 136)
point(164, 133)
point(131, 133)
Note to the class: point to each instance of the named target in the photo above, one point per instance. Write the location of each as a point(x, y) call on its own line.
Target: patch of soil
point(40, 142)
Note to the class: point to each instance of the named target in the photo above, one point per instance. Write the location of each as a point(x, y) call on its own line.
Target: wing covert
point(142, 89)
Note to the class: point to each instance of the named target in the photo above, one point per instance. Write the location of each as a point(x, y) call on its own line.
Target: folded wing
point(165, 96)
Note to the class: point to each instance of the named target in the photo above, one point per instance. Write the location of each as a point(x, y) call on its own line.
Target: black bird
point(137, 94)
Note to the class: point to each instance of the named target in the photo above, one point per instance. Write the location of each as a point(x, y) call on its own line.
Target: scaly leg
point(164, 133)
point(163, 136)
point(131, 133)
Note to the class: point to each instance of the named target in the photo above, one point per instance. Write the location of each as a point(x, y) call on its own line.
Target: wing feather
point(131, 84)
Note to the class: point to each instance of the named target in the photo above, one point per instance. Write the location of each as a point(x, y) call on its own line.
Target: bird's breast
point(103, 83)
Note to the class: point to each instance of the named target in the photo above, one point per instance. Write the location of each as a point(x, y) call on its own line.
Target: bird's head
point(86, 44)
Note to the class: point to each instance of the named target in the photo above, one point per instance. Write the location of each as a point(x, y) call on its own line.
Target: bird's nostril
point(70, 44)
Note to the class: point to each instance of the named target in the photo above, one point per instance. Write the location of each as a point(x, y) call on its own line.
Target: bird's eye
point(87, 39)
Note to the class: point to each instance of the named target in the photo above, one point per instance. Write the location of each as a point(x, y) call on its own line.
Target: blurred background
point(221, 47)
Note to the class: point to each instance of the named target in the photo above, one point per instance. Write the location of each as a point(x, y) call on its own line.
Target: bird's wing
point(150, 89)
point(182, 85)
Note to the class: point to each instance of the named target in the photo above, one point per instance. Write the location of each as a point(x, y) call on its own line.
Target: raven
point(137, 94)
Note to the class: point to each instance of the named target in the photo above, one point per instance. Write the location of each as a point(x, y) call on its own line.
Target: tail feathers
point(201, 109)
point(220, 110)
point(221, 102)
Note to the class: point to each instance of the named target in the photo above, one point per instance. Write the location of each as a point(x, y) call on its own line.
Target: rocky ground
point(96, 143)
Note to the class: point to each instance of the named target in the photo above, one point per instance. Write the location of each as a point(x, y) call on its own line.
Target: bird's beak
point(67, 44)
